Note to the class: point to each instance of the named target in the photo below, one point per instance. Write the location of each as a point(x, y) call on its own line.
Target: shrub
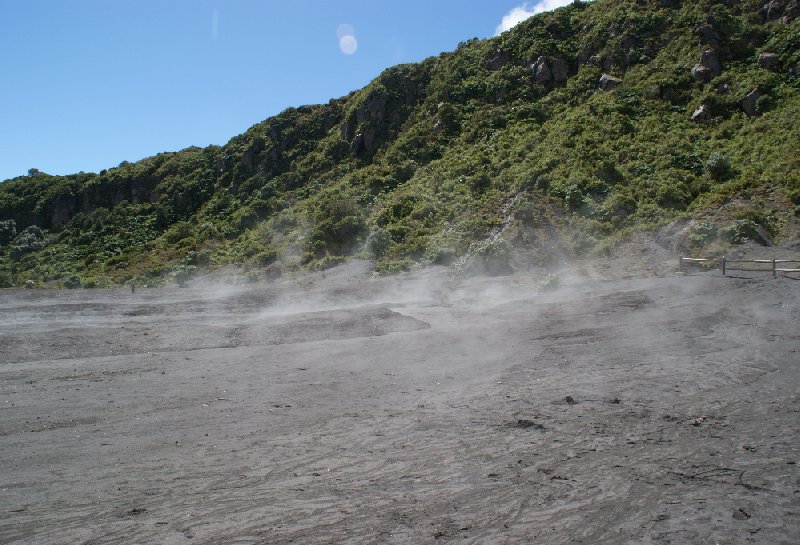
point(8, 231)
point(702, 233)
point(183, 273)
point(266, 258)
point(550, 282)
point(92, 282)
point(6, 280)
point(718, 166)
point(439, 252)
point(72, 282)
point(741, 231)
point(29, 240)
point(485, 257)
point(378, 242)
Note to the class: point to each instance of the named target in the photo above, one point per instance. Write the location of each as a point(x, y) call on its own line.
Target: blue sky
point(87, 84)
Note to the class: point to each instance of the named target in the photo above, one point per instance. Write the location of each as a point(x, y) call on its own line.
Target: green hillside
point(558, 138)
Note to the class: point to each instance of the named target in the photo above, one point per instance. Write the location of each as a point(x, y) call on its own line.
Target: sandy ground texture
point(337, 408)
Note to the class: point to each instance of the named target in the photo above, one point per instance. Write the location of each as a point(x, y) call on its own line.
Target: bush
point(550, 282)
point(741, 231)
point(378, 242)
point(485, 257)
point(72, 282)
point(266, 258)
point(718, 166)
point(702, 233)
point(29, 240)
point(92, 282)
point(183, 273)
point(8, 231)
point(6, 280)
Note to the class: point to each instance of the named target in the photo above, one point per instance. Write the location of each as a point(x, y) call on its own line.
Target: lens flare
point(348, 44)
point(345, 30)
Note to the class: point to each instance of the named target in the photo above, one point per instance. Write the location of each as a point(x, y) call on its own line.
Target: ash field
point(338, 408)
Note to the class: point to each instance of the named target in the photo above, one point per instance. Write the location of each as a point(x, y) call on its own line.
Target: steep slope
point(561, 136)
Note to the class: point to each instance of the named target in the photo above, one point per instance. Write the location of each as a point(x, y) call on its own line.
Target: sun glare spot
point(345, 30)
point(348, 44)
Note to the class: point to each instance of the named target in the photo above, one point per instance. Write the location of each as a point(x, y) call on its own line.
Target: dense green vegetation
point(458, 152)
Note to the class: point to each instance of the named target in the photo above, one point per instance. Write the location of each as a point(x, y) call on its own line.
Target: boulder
point(702, 114)
point(545, 70)
point(541, 70)
point(701, 74)
point(750, 102)
point(710, 60)
point(768, 60)
point(609, 82)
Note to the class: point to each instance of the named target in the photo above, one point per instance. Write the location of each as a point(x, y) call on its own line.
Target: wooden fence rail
point(726, 264)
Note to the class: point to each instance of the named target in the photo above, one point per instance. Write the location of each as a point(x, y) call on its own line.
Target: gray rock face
point(63, 209)
point(750, 103)
point(701, 74)
point(609, 82)
point(708, 68)
point(702, 114)
point(768, 60)
point(373, 108)
point(771, 10)
point(545, 70)
point(497, 61)
point(710, 60)
point(541, 70)
point(559, 68)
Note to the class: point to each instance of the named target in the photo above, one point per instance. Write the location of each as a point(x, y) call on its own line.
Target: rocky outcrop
point(702, 114)
point(609, 82)
point(63, 209)
point(497, 60)
point(750, 103)
point(545, 69)
point(708, 67)
point(768, 60)
point(701, 74)
point(372, 109)
point(783, 10)
point(362, 127)
point(541, 70)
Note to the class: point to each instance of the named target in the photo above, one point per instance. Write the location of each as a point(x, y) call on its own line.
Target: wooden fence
point(736, 265)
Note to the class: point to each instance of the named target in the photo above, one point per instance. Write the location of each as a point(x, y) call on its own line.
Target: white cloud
point(520, 13)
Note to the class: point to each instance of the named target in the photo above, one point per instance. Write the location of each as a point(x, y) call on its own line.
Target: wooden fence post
point(723, 265)
point(774, 272)
point(680, 264)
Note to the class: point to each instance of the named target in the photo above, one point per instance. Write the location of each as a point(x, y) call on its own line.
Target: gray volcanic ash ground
point(337, 408)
